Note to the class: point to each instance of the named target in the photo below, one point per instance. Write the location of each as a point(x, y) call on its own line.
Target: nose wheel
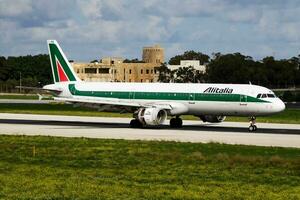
point(252, 126)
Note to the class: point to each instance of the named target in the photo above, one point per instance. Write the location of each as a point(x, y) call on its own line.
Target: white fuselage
point(196, 99)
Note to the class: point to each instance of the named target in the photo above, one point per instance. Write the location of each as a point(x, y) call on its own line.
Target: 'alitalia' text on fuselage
point(218, 90)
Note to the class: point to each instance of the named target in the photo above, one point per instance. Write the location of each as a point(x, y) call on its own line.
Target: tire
point(173, 123)
point(255, 128)
point(251, 128)
point(179, 122)
point(134, 123)
point(176, 123)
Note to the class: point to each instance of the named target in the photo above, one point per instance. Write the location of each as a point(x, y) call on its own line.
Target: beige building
point(187, 63)
point(153, 54)
point(113, 69)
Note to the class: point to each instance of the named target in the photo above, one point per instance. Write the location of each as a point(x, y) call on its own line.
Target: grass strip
point(79, 168)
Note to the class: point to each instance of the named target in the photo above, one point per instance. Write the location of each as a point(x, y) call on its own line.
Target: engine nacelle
point(212, 118)
point(152, 116)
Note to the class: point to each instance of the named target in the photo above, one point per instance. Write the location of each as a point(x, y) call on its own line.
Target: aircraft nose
point(280, 106)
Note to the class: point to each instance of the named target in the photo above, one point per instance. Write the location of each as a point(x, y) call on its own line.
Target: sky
point(93, 29)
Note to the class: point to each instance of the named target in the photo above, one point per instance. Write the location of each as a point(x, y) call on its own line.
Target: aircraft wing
point(111, 104)
point(117, 102)
point(100, 102)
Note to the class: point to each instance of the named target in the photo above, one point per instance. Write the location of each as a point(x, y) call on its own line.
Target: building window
point(151, 71)
point(155, 71)
point(129, 80)
point(130, 71)
point(147, 71)
point(103, 70)
point(90, 70)
point(151, 80)
point(141, 71)
point(78, 71)
point(141, 80)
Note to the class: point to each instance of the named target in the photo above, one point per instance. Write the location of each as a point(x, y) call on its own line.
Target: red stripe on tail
point(61, 73)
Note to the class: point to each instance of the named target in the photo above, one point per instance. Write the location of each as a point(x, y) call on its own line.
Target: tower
point(153, 54)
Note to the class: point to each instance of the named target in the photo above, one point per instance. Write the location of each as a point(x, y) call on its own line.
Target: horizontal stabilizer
point(38, 89)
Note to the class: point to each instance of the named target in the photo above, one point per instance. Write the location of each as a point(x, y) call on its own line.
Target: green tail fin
point(61, 68)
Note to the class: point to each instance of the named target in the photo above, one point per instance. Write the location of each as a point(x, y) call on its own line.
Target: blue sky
point(91, 29)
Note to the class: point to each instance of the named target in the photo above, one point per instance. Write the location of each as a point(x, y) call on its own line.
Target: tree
point(231, 68)
point(4, 71)
point(181, 75)
point(94, 61)
point(296, 63)
point(190, 55)
point(165, 74)
point(188, 75)
point(133, 61)
point(36, 67)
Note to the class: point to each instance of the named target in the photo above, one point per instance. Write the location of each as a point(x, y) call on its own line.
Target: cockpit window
point(264, 96)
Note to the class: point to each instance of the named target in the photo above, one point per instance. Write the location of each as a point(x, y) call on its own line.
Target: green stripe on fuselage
point(166, 96)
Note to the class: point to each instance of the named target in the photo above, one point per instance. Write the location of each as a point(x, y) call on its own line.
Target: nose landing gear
point(252, 126)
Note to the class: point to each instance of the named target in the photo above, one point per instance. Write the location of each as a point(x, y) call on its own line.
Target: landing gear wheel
point(252, 126)
point(176, 122)
point(179, 122)
point(255, 127)
point(134, 123)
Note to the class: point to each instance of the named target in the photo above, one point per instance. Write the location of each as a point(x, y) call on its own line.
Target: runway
point(282, 135)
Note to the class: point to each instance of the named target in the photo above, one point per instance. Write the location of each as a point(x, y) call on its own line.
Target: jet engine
point(151, 116)
point(212, 118)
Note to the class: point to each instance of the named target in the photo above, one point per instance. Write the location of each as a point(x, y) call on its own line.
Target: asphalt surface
point(283, 135)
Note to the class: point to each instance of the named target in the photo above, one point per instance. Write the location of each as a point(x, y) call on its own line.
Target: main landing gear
point(176, 122)
point(252, 126)
point(135, 123)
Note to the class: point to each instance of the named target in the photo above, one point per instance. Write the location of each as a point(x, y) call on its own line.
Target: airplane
point(151, 103)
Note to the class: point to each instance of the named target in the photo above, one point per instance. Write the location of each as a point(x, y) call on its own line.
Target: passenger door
point(243, 100)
